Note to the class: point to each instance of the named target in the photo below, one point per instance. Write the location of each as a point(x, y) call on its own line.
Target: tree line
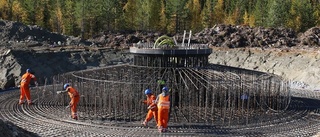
point(87, 18)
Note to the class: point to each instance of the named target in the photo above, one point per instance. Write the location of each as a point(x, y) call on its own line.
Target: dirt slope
point(300, 66)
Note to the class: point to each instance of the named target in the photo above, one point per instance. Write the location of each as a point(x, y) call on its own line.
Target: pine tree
point(163, 19)
point(301, 16)
point(233, 18)
point(246, 18)
point(18, 13)
point(219, 13)
point(31, 7)
point(277, 14)
point(129, 13)
point(316, 14)
point(58, 23)
point(86, 14)
point(143, 14)
point(207, 14)
point(155, 14)
point(195, 11)
point(177, 15)
point(111, 15)
point(260, 12)
point(6, 9)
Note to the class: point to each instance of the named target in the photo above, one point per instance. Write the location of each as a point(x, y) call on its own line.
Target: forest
point(87, 18)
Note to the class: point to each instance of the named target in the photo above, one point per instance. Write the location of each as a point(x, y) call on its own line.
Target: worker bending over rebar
point(74, 96)
point(152, 107)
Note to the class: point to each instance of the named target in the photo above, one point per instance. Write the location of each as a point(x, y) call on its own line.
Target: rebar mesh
point(199, 92)
point(210, 95)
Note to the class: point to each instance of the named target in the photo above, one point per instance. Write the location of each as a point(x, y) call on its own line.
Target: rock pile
point(243, 36)
point(311, 37)
point(8, 129)
point(221, 35)
point(15, 32)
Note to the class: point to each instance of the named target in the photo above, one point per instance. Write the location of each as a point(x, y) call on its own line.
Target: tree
point(301, 16)
point(31, 7)
point(163, 19)
point(242, 6)
point(18, 13)
point(177, 15)
point(155, 14)
point(5, 9)
point(277, 13)
point(260, 12)
point(130, 14)
point(316, 14)
point(88, 15)
point(195, 12)
point(207, 14)
point(233, 18)
point(246, 18)
point(219, 13)
point(143, 14)
point(111, 15)
point(57, 21)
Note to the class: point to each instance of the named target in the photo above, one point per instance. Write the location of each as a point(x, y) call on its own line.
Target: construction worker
point(163, 103)
point(152, 107)
point(74, 96)
point(24, 86)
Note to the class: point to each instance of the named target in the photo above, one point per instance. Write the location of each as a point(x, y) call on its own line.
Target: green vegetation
point(87, 18)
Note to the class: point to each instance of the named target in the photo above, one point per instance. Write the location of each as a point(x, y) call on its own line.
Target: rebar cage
point(200, 93)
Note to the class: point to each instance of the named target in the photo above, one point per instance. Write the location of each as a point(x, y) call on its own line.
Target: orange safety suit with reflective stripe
point(75, 97)
point(152, 108)
point(24, 87)
point(163, 111)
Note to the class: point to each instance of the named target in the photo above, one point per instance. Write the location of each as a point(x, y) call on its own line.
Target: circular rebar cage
point(200, 93)
point(214, 95)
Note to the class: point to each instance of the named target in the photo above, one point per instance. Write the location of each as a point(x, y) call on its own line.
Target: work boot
point(30, 102)
point(144, 123)
point(164, 130)
point(76, 118)
point(160, 129)
point(21, 102)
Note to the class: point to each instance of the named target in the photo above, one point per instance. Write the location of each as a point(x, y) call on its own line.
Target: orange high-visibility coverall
point(75, 97)
point(24, 87)
point(152, 108)
point(163, 111)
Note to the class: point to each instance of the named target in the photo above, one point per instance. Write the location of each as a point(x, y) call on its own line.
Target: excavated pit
point(285, 113)
point(207, 100)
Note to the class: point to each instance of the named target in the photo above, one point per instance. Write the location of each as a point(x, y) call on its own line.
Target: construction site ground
point(41, 118)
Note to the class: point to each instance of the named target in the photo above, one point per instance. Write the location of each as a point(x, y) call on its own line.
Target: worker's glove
point(36, 83)
point(151, 107)
point(59, 92)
